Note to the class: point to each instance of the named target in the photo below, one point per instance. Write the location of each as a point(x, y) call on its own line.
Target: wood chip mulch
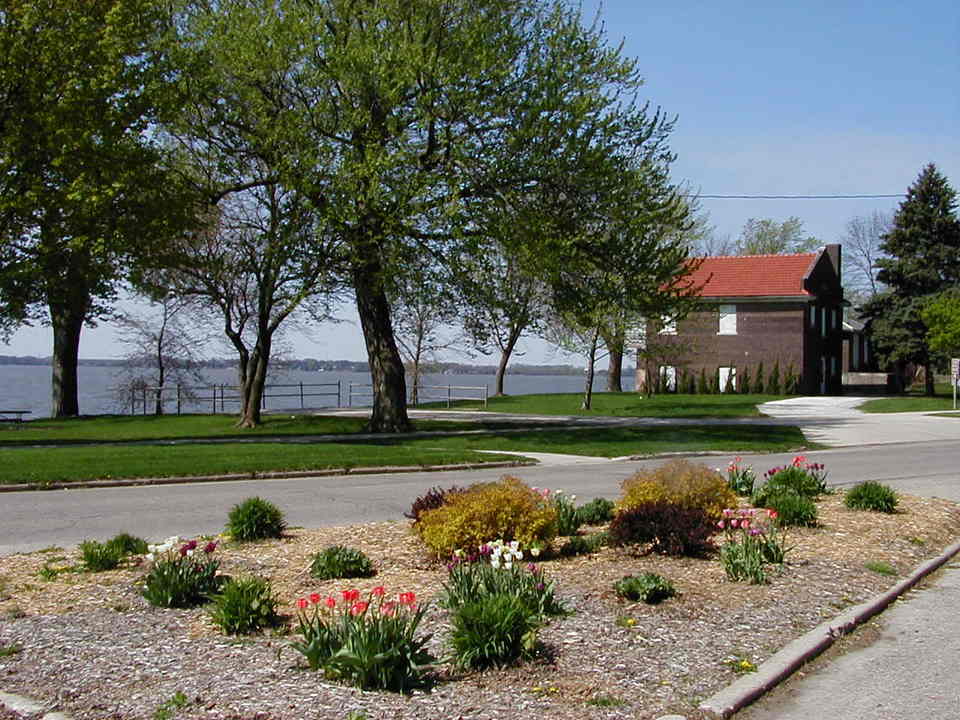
point(92, 646)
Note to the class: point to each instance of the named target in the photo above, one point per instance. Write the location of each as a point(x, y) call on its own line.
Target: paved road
point(31, 520)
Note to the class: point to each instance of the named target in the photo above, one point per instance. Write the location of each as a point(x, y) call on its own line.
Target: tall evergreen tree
point(924, 259)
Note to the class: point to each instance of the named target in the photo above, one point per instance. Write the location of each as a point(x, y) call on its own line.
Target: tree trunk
point(67, 320)
point(389, 412)
point(928, 380)
point(252, 390)
point(615, 371)
point(505, 354)
point(591, 364)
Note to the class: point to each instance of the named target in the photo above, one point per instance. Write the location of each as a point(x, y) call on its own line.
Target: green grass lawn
point(91, 462)
point(132, 428)
point(909, 403)
point(627, 405)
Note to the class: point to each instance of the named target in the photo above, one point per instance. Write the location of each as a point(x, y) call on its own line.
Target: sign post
point(955, 378)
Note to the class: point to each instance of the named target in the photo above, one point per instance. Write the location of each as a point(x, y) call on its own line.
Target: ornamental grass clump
point(792, 508)
point(368, 642)
point(99, 557)
point(650, 588)
point(507, 509)
point(181, 577)
point(493, 631)
point(338, 561)
point(873, 496)
point(244, 605)
point(754, 540)
point(678, 482)
point(497, 568)
point(255, 519)
point(596, 512)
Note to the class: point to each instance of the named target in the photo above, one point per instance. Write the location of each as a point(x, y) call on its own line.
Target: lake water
point(27, 387)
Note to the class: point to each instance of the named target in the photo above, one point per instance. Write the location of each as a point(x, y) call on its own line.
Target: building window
point(813, 316)
point(728, 320)
point(668, 378)
point(823, 322)
point(668, 325)
point(727, 375)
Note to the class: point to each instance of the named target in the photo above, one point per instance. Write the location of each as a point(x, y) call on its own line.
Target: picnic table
point(13, 415)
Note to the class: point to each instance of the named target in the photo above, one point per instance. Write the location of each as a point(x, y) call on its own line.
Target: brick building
point(771, 309)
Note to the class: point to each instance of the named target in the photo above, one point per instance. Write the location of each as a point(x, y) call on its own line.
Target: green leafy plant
point(605, 701)
point(182, 577)
point(668, 528)
point(488, 573)
point(753, 541)
point(51, 572)
point(255, 519)
point(740, 478)
point(128, 544)
point(568, 519)
point(98, 557)
point(583, 545)
point(168, 710)
point(807, 479)
point(596, 512)
point(493, 631)
point(9, 650)
point(871, 495)
point(244, 605)
point(369, 643)
point(880, 567)
point(650, 588)
point(741, 665)
point(338, 561)
point(792, 508)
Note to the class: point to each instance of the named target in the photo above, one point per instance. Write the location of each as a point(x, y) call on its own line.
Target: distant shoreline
point(314, 365)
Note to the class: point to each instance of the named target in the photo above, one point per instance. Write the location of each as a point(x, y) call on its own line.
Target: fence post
point(178, 398)
point(339, 389)
point(301, 394)
point(144, 398)
point(486, 389)
point(214, 399)
point(448, 397)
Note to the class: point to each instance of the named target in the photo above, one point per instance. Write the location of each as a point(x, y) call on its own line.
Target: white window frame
point(668, 325)
point(723, 373)
point(668, 377)
point(728, 320)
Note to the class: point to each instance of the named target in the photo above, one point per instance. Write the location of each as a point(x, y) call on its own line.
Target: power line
point(794, 197)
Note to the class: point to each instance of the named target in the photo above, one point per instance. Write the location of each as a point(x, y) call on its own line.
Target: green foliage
point(98, 557)
point(583, 545)
point(493, 631)
point(758, 385)
point(255, 519)
point(669, 528)
point(703, 388)
point(568, 519)
point(689, 382)
point(807, 479)
point(507, 509)
point(740, 478)
point(370, 644)
point(941, 315)
point(168, 710)
point(773, 384)
point(468, 581)
point(650, 588)
point(338, 561)
point(596, 512)
point(880, 567)
point(764, 236)
point(791, 385)
point(243, 605)
point(7, 651)
point(922, 259)
point(128, 544)
point(680, 482)
point(182, 578)
point(791, 507)
point(871, 495)
point(728, 386)
point(745, 382)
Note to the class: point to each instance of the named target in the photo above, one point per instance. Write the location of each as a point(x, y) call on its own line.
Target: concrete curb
point(786, 661)
point(261, 476)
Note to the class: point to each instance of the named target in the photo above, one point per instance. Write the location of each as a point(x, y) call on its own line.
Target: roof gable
point(754, 276)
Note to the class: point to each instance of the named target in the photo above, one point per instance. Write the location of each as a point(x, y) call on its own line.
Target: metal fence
point(448, 394)
point(217, 397)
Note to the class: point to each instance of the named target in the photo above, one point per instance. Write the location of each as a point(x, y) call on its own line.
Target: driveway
point(836, 422)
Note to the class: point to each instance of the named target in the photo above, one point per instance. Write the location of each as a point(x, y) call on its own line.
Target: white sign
point(955, 369)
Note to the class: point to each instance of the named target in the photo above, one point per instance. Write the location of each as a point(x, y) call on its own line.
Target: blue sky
point(771, 98)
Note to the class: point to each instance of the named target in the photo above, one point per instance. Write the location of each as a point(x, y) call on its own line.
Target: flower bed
point(92, 645)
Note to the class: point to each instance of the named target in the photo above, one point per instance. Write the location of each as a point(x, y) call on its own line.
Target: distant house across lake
point(759, 312)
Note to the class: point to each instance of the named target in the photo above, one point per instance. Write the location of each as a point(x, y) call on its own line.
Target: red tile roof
point(753, 275)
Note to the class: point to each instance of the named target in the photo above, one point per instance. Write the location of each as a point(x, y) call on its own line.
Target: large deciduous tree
point(765, 236)
point(923, 249)
point(942, 318)
point(410, 123)
point(81, 184)
point(861, 251)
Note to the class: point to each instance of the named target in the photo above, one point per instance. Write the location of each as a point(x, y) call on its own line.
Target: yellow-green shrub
point(507, 509)
point(679, 482)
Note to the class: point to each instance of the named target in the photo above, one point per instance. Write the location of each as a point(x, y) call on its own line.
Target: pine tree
point(924, 259)
point(791, 385)
point(702, 387)
point(773, 384)
point(728, 386)
point(758, 385)
point(691, 383)
point(745, 381)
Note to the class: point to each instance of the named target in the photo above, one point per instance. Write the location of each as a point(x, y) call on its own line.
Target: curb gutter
point(331, 472)
point(786, 661)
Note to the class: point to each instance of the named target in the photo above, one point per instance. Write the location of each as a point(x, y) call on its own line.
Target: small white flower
point(508, 565)
point(495, 562)
point(514, 545)
point(149, 557)
point(535, 551)
point(190, 552)
point(573, 497)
